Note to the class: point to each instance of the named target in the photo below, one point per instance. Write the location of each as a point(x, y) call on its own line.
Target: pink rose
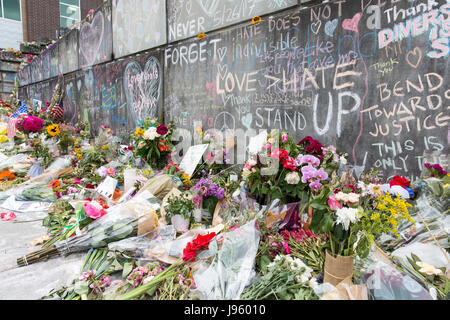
point(284, 138)
point(93, 212)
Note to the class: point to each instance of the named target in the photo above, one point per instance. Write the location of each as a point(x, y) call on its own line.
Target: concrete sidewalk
point(36, 280)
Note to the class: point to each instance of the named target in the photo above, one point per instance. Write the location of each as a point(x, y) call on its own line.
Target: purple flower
point(321, 174)
point(87, 274)
point(308, 172)
point(106, 281)
point(312, 160)
point(315, 185)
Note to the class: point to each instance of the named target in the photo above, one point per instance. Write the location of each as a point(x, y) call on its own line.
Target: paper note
point(256, 143)
point(192, 158)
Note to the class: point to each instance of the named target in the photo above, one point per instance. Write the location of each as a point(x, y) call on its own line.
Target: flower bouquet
point(30, 124)
point(153, 142)
point(286, 278)
point(295, 171)
point(179, 211)
point(121, 223)
point(210, 194)
point(40, 151)
point(351, 229)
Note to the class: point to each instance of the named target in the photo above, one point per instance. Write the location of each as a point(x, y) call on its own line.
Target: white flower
point(341, 196)
point(342, 160)
point(151, 134)
point(292, 178)
point(428, 268)
point(245, 173)
point(345, 216)
point(313, 283)
point(353, 197)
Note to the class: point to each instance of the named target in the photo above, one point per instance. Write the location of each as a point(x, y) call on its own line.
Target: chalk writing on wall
point(134, 30)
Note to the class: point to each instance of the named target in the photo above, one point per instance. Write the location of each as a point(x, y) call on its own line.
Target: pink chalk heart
point(352, 24)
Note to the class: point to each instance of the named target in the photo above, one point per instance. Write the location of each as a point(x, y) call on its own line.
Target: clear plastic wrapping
point(232, 268)
point(427, 252)
point(137, 246)
point(129, 219)
point(36, 191)
point(385, 282)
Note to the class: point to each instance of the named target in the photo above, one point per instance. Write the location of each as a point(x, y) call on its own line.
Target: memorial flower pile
point(265, 229)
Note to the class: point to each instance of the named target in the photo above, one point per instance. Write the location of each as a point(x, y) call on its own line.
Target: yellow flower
point(105, 147)
point(53, 130)
point(79, 156)
point(375, 216)
point(139, 132)
point(77, 150)
point(186, 179)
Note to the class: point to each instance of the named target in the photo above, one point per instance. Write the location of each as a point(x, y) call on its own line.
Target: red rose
point(162, 130)
point(399, 181)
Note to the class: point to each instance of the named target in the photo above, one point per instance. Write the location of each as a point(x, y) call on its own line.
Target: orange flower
point(163, 146)
point(7, 175)
point(201, 36)
point(54, 184)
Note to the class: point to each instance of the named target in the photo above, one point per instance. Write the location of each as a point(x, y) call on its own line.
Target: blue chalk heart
point(330, 26)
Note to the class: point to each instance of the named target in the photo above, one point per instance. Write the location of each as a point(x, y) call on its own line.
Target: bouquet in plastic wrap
point(37, 191)
point(232, 267)
point(122, 221)
point(385, 282)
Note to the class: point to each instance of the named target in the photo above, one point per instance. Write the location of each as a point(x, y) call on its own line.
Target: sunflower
point(53, 130)
point(139, 132)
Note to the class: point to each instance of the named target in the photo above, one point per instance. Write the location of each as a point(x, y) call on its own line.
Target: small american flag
point(11, 127)
point(21, 110)
point(58, 111)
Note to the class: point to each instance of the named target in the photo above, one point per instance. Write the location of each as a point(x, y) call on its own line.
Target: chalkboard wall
point(368, 76)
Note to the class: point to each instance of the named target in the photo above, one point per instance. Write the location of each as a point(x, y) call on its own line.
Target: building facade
point(11, 27)
point(39, 20)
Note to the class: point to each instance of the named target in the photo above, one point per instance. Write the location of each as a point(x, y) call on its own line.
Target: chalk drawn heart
point(222, 69)
point(208, 6)
point(316, 26)
point(247, 120)
point(188, 7)
point(414, 53)
point(330, 26)
point(91, 36)
point(352, 24)
point(222, 52)
point(142, 89)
